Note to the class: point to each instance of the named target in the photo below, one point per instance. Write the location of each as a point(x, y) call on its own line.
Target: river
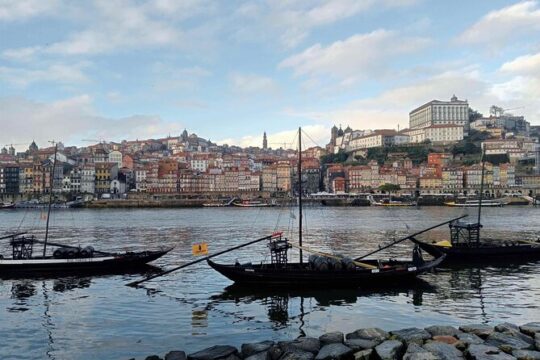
point(100, 318)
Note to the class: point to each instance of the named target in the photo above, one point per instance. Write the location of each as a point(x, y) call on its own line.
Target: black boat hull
point(483, 254)
point(94, 265)
point(302, 275)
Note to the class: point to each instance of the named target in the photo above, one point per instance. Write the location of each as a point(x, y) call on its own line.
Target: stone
point(508, 342)
point(416, 352)
point(308, 344)
point(478, 329)
point(389, 349)
point(275, 352)
point(447, 339)
point(216, 352)
point(259, 356)
point(297, 354)
point(526, 354)
point(439, 330)
point(537, 341)
point(363, 355)
point(153, 357)
point(469, 339)
point(531, 328)
point(443, 351)
point(485, 352)
point(254, 348)
point(506, 327)
point(361, 344)
point(335, 351)
point(331, 338)
point(375, 334)
point(175, 355)
point(411, 335)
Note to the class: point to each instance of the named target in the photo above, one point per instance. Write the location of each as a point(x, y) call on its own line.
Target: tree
point(473, 115)
point(390, 188)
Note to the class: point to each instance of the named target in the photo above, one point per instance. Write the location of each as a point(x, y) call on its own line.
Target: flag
point(199, 249)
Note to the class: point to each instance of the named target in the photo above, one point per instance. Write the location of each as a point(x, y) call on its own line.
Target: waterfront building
point(284, 173)
point(140, 179)
point(88, 179)
point(430, 184)
point(26, 177)
point(437, 112)
point(9, 179)
point(74, 180)
point(452, 180)
point(105, 173)
point(37, 177)
point(269, 178)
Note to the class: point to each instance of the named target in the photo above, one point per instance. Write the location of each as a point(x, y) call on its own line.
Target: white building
point(378, 138)
point(438, 112)
point(115, 157)
point(140, 180)
point(444, 133)
point(88, 179)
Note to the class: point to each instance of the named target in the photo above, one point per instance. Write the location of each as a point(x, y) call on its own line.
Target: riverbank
point(504, 341)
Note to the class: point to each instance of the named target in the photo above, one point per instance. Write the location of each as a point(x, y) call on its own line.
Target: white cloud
point(499, 26)
point(19, 77)
point(18, 10)
point(318, 135)
point(72, 119)
point(356, 57)
point(251, 84)
point(526, 64)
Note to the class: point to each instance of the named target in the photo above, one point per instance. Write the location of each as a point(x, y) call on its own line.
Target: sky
point(229, 70)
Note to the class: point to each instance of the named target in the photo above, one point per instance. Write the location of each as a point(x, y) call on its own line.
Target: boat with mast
point(466, 245)
point(321, 269)
point(66, 259)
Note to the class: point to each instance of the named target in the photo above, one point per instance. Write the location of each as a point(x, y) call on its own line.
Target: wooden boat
point(475, 203)
point(467, 246)
point(7, 206)
point(341, 272)
point(66, 259)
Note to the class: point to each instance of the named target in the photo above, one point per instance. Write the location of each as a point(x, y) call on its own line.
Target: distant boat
point(390, 202)
point(252, 203)
point(7, 206)
point(475, 203)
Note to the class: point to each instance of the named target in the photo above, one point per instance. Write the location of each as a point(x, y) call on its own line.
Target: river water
point(100, 318)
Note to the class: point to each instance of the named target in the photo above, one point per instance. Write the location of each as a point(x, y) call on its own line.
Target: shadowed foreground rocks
point(504, 341)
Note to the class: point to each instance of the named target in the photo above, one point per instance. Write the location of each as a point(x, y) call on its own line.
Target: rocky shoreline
point(504, 341)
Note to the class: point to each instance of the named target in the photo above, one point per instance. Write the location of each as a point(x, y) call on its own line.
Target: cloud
point(18, 10)
point(499, 26)
point(317, 135)
point(358, 56)
point(22, 77)
point(72, 119)
point(251, 84)
point(526, 64)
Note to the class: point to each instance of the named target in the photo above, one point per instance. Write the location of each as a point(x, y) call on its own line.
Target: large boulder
point(308, 344)
point(537, 341)
point(297, 354)
point(217, 352)
point(486, 352)
point(447, 339)
point(265, 355)
point(439, 330)
point(469, 339)
point(443, 351)
point(526, 354)
point(478, 329)
point(416, 352)
point(506, 327)
point(530, 328)
point(389, 349)
point(508, 342)
point(335, 351)
point(331, 338)
point(374, 334)
point(175, 355)
point(254, 348)
point(361, 344)
point(363, 355)
point(411, 335)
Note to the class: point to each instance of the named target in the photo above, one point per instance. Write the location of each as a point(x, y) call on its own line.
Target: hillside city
point(439, 153)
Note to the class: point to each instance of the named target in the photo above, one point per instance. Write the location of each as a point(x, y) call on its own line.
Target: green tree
point(389, 188)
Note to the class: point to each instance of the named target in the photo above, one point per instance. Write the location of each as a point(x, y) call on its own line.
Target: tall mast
point(51, 188)
point(299, 171)
point(481, 195)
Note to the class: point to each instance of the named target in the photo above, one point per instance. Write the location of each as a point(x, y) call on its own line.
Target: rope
point(357, 263)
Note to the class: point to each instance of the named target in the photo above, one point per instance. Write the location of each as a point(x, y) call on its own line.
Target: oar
point(408, 237)
point(357, 263)
point(11, 236)
point(135, 283)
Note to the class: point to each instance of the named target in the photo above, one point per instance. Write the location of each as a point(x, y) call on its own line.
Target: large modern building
point(438, 112)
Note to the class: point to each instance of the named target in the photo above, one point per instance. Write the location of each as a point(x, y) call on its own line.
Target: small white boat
point(475, 203)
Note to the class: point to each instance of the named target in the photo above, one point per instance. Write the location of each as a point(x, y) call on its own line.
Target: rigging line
point(22, 220)
point(310, 138)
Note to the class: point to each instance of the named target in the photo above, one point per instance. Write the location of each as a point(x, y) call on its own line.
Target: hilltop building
point(437, 112)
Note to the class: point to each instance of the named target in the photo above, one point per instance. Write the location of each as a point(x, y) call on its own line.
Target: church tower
point(265, 142)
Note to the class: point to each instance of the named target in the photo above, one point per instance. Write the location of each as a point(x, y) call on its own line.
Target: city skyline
point(229, 72)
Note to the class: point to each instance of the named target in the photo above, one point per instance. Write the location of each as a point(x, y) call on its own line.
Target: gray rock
point(389, 349)
point(469, 339)
point(361, 344)
point(508, 342)
point(216, 352)
point(443, 351)
point(438, 330)
point(254, 348)
point(265, 355)
point(530, 328)
point(526, 354)
point(485, 352)
point(506, 327)
point(363, 355)
point(411, 335)
point(369, 334)
point(311, 345)
point(331, 338)
point(275, 352)
point(335, 351)
point(478, 329)
point(537, 341)
point(416, 352)
point(175, 355)
point(153, 357)
point(297, 354)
